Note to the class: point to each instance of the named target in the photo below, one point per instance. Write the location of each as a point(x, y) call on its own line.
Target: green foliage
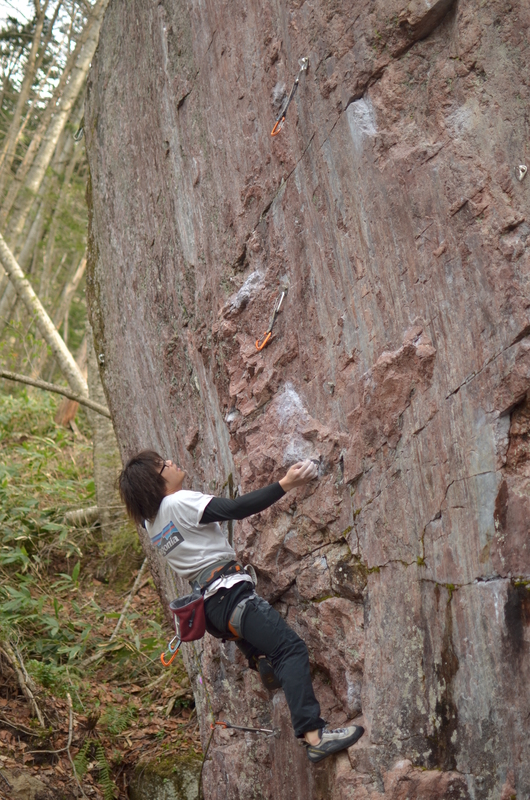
point(123, 541)
point(82, 760)
point(42, 474)
point(104, 772)
point(116, 720)
point(50, 676)
point(37, 483)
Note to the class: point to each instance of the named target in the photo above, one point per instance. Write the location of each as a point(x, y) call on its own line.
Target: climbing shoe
point(267, 674)
point(333, 741)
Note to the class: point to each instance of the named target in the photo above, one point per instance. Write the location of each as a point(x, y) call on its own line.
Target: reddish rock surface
point(390, 208)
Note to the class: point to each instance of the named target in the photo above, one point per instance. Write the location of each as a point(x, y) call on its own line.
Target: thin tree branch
point(21, 728)
point(133, 591)
point(9, 655)
point(4, 777)
point(52, 387)
point(70, 732)
point(136, 586)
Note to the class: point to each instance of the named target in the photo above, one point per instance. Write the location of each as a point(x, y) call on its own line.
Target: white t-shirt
point(189, 546)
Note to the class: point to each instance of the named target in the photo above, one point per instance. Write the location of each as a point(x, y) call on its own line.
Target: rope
point(211, 713)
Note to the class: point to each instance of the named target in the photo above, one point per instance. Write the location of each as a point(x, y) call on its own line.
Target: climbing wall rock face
point(390, 208)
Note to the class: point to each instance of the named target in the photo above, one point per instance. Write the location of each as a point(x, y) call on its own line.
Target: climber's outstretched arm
point(220, 509)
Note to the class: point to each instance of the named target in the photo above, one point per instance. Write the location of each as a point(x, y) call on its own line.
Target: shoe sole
point(321, 755)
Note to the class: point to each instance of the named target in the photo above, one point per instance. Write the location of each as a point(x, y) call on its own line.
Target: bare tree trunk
point(68, 292)
point(44, 285)
point(22, 128)
point(8, 151)
point(8, 297)
point(49, 141)
point(44, 123)
point(35, 308)
point(107, 461)
point(59, 317)
point(67, 409)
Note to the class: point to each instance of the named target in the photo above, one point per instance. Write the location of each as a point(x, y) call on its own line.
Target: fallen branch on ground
point(21, 728)
point(4, 777)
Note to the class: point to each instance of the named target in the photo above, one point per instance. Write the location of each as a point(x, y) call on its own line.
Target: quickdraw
point(222, 724)
point(304, 63)
point(268, 333)
point(172, 649)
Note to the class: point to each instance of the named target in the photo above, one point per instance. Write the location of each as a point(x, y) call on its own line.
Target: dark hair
point(142, 488)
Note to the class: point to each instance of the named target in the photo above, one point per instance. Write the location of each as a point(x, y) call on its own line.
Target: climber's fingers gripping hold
point(299, 474)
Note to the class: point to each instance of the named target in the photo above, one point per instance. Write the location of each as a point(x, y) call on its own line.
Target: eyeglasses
point(164, 465)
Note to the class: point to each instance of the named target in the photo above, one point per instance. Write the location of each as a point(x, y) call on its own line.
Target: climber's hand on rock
point(299, 474)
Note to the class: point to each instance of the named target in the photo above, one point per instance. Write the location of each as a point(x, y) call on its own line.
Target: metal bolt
point(522, 169)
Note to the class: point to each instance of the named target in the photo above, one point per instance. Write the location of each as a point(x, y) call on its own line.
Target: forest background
point(85, 705)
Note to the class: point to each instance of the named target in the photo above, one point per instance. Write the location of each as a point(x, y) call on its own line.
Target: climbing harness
point(303, 63)
point(234, 623)
point(268, 333)
point(216, 571)
point(188, 611)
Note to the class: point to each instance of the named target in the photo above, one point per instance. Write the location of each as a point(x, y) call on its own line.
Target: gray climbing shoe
point(333, 741)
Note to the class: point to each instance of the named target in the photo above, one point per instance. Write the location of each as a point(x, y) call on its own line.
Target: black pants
point(266, 633)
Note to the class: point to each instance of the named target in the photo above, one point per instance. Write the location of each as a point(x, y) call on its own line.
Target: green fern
point(117, 720)
point(104, 772)
point(81, 759)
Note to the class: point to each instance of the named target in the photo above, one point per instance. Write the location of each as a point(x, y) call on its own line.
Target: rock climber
point(185, 527)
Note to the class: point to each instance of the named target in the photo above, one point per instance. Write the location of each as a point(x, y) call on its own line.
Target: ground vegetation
point(80, 709)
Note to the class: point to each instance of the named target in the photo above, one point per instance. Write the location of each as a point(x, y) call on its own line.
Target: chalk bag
point(188, 616)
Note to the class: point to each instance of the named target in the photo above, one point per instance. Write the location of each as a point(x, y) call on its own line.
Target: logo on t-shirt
point(167, 539)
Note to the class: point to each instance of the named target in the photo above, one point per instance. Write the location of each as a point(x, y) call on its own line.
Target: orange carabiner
point(172, 650)
point(278, 126)
point(167, 663)
point(264, 342)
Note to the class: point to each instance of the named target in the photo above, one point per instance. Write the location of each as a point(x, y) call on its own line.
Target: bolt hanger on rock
point(268, 333)
point(303, 63)
point(522, 169)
